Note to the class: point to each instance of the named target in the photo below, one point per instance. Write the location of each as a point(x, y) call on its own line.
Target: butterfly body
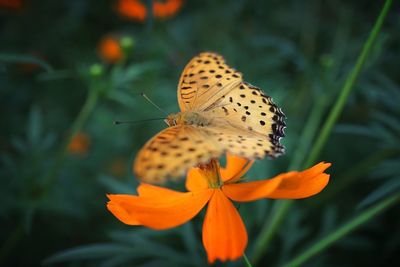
point(187, 118)
point(220, 113)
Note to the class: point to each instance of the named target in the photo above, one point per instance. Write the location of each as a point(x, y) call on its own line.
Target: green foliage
point(53, 84)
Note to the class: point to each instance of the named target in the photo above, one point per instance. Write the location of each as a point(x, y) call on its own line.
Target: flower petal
point(235, 168)
point(251, 190)
point(148, 190)
point(162, 211)
point(303, 184)
point(195, 180)
point(115, 206)
point(224, 234)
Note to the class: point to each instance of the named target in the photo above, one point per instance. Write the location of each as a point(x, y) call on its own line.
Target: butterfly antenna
point(134, 122)
point(154, 104)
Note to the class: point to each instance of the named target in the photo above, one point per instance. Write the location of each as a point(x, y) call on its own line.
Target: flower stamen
point(211, 172)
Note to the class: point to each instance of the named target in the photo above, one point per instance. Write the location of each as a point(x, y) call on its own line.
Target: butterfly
point(220, 113)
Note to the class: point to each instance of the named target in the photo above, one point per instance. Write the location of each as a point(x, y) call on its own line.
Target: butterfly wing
point(173, 151)
point(242, 121)
point(205, 79)
point(209, 85)
point(239, 142)
point(246, 109)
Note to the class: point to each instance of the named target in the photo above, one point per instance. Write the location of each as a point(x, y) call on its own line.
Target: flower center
point(210, 172)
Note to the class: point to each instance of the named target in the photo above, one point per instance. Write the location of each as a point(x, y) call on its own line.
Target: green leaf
point(94, 251)
point(25, 59)
point(388, 168)
point(34, 129)
point(382, 191)
point(388, 120)
point(117, 187)
point(342, 231)
point(123, 98)
point(191, 243)
point(123, 77)
point(118, 260)
point(356, 130)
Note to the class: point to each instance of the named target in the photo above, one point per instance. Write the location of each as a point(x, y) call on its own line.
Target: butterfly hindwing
point(249, 109)
point(239, 142)
point(204, 80)
point(172, 151)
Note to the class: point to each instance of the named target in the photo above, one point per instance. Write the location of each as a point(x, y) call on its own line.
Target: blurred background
point(69, 68)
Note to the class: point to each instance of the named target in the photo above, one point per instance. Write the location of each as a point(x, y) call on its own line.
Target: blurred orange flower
point(79, 144)
point(15, 4)
point(110, 50)
point(118, 167)
point(137, 10)
point(224, 233)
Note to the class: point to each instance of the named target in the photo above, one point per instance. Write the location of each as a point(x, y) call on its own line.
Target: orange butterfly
point(220, 113)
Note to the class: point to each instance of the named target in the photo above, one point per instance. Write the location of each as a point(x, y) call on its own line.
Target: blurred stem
point(310, 28)
point(281, 207)
point(348, 86)
point(77, 125)
point(270, 227)
point(308, 133)
point(343, 230)
point(246, 261)
point(51, 175)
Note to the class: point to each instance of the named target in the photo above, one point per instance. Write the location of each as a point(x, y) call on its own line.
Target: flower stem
point(281, 208)
point(308, 133)
point(348, 86)
point(246, 261)
point(77, 125)
point(347, 228)
point(270, 227)
point(51, 175)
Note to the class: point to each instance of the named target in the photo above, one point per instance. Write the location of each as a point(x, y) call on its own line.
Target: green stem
point(77, 125)
point(347, 228)
point(246, 261)
point(282, 207)
point(270, 228)
point(51, 175)
point(308, 133)
point(348, 86)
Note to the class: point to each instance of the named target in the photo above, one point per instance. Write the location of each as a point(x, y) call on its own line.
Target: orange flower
point(110, 50)
point(224, 233)
point(79, 144)
point(118, 167)
point(15, 4)
point(137, 10)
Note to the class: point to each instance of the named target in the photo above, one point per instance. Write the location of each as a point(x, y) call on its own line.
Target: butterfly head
point(172, 119)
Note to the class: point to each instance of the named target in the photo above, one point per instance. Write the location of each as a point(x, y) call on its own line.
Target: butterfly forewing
point(205, 79)
point(174, 150)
